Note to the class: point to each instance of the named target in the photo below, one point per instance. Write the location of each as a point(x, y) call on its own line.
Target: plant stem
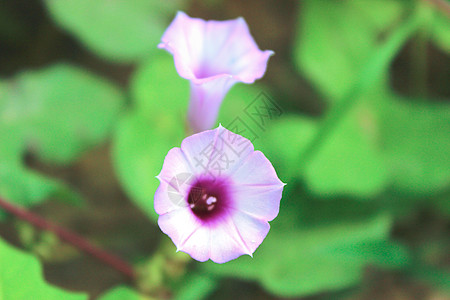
point(419, 55)
point(75, 240)
point(369, 75)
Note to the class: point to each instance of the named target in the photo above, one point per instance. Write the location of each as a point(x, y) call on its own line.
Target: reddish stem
point(71, 238)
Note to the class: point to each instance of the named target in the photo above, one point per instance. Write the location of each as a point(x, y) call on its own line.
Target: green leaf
point(238, 109)
point(60, 111)
point(284, 140)
point(442, 204)
point(383, 142)
point(119, 30)
point(140, 146)
point(122, 293)
point(157, 88)
point(416, 145)
point(336, 38)
point(196, 287)
point(299, 262)
point(151, 129)
point(440, 31)
point(21, 278)
point(331, 163)
point(56, 114)
point(349, 161)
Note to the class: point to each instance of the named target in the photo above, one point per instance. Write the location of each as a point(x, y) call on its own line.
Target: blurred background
point(89, 108)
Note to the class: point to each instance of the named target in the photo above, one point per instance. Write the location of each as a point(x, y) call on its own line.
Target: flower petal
point(245, 196)
point(216, 152)
point(204, 49)
point(205, 102)
point(179, 225)
point(251, 66)
point(213, 55)
point(198, 244)
point(175, 179)
point(184, 40)
point(263, 202)
point(251, 231)
point(256, 170)
point(226, 242)
point(256, 189)
point(174, 163)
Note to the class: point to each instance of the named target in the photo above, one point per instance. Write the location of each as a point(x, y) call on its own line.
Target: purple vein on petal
point(170, 183)
point(241, 164)
point(187, 161)
point(242, 241)
point(218, 132)
point(181, 246)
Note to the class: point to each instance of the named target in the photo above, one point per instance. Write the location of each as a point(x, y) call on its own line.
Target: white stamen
point(211, 200)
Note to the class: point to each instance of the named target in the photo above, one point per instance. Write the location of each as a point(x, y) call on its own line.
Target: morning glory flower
point(216, 196)
point(213, 55)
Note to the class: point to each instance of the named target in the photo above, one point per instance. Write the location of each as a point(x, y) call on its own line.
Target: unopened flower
point(216, 196)
point(213, 55)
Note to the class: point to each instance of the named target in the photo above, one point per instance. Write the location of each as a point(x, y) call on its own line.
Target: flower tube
point(212, 55)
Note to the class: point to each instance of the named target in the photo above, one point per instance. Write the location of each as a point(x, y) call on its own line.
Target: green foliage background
point(372, 158)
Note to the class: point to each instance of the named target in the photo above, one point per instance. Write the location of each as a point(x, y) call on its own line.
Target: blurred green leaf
point(196, 287)
point(119, 30)
point(285, 139)
point(416, 145)
point(442, 204)
point(236, 101)
point(236, 107)
point(157, 88)
point(151, 129)
point(342, 156)
point(56, 114)
point(122, 293)
point(60, 111)
point(440, 31)
point(21, 278)
point(349, 162)
point(301, 262)
point(141, 143)
point(336, 38)
point(383, 142)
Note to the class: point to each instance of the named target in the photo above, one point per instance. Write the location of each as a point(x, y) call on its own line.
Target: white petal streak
point(251, 230)
point(256, 170)
point(174, 164)
point(179, 225)
point(217, 151)
point(260, 201)
point(226, 242)
point(198, 245)
point(175, 179)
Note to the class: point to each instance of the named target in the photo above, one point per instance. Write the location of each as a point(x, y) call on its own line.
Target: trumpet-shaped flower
point(213, 55)
point(216, 196)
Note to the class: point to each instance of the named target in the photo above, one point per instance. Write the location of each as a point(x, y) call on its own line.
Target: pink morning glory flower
point(216, 196)
point(213, 55)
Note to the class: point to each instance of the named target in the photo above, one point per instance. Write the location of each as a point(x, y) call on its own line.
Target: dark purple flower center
point(208, 198)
